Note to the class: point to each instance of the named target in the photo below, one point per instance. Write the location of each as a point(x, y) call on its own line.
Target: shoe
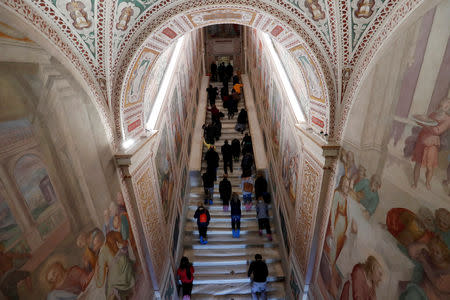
point(201, 240)
point(210, 202)
point(205, 242)
point(260, 232)
point(206, 201)
point(269, 236)
point(238, 233)
point(234, 233)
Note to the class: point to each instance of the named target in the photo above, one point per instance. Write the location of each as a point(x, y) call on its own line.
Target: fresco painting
point(138, 80)
point(34, 184)
point(177, 127)
point(9, 229)
point(290, 159)
point(163, 161)
point(388, 234)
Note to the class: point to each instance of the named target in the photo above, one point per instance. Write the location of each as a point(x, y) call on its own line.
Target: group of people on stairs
point(231, 152)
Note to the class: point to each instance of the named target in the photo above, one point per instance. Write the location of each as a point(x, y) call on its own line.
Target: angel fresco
point(78, 14)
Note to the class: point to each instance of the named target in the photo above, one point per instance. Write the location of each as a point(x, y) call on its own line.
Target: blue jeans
point(247, 197)
point(259, 287)
point(236, 222)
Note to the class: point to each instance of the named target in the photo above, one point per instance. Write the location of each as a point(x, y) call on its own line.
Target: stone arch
point(402, 17)
point(166, 29)
point(39, 30)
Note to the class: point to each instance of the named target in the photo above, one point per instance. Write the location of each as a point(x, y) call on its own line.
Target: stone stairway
point(221, 265)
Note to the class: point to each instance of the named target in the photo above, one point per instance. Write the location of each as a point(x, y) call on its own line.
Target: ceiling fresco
point(102, 39)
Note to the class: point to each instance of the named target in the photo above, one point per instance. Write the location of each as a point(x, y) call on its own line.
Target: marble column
point(318, 164)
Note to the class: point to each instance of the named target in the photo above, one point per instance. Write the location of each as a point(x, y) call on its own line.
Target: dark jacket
point(260, 186)
point(235, 207)
point(259, 270)
point(212, 158)
point(197, 214)
point(242, 117)
point(210, 133)
point(225, 190)
point(212, 92)
point(236, 146)
point(247, 161)
point(208, 180)
point(227, 151)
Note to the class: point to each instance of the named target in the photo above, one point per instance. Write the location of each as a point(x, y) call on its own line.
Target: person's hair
point(370, 264)
point(234, 197)
point(185, 264)
point(258, 256)
point(57, 265)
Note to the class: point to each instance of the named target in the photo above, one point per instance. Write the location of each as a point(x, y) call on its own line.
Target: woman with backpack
point(247, 190)
point(203, 217)
point(185, 274)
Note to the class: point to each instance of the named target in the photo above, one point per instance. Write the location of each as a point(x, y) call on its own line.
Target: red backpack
point(203, 218)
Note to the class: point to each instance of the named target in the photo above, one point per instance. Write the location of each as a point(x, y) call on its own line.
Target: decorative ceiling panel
point(101, 37)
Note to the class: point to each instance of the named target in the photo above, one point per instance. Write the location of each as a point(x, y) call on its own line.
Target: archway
point(193, 19)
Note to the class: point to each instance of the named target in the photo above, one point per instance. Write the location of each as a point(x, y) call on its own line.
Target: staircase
point(221, 265)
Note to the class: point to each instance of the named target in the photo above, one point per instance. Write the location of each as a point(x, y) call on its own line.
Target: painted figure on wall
point(366, 193)
point(425, 153)
point(365, 278)
point(10, 276)
point(339, 220)
point(67, 283)
point(315, 9)
point(124, 18)
point(364, 8)
point(78, 14)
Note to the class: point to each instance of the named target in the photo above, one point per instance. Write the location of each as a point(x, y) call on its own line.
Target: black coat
point(259, 270)
point(235, 207)
point(212, 158)
point(236, 146)
point(260, 186)
point(242, 117)
point(227, 152)
point(198, 212)
point(208, 180)
point(225, 190)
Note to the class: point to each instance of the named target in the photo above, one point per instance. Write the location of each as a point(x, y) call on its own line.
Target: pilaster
point(139, 179)
point(318, 164)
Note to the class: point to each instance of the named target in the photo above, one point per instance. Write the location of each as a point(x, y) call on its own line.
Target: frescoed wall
point(388, 235)
point(61, 215)
point(283, 148)
point(175, 124)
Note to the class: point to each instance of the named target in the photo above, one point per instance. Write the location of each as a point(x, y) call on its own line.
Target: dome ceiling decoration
point(99, 37)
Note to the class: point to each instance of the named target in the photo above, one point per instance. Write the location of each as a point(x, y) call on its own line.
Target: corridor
point(221, 265)
point(102, 153)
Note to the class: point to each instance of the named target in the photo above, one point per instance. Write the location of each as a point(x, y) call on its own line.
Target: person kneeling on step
point(258, 269)
point(235, 215)
point(203, 217)
point(262, 213)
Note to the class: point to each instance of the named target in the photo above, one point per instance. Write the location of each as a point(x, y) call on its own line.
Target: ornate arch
point(174, 22)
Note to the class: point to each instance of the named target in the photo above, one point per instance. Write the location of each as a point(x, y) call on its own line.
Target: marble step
point(232, 243)
point(225, 226)
point(193, 231)
point(234, 291)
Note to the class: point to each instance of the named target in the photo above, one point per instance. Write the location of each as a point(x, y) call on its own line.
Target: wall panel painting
point(164, 164)
point(9, 229)
point(388, 234)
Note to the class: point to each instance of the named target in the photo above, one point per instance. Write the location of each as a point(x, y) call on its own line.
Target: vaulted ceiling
point(100, 38)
